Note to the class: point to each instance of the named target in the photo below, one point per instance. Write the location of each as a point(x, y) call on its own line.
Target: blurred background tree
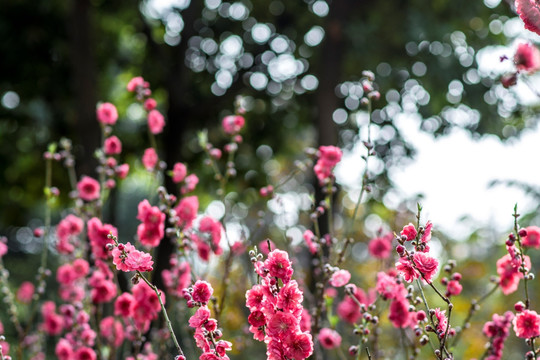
point(297, 62)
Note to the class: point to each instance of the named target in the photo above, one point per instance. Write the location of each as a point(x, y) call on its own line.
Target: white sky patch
point(453, 172)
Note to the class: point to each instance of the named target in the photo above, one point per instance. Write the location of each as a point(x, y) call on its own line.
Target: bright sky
point(454, 171)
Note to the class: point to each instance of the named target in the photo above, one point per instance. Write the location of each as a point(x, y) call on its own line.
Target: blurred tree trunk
point(180, 116)
point(84, 83)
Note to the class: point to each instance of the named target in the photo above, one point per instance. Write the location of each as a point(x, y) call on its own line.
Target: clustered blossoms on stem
point(207, 334)
point(67, 231)
point(329, 157)
point(276, 310)
point(417, 264)
point(152, 228)
point(497, 330)
point(127, 258)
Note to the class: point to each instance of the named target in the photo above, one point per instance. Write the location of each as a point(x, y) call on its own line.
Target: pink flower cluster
point(179, 175)
point(232, 124)
point(508, 270)
point(419, 264)
point(276, 311)
point(206, 331)
point(88, 188)
point(142, 90)
point(127, 258)
point(67, 231)
point(103, 287)
point(177, 278)
point(142, 306)
point(348, 309)
point(390, 288)
point(77, 343)
point(329, 157)
point(381, 246)
point(70, 276)
point(98, 234)
point(187, 210)
point(498, 330)
point(152, 228)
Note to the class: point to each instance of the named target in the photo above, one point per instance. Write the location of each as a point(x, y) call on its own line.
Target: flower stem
point(164, 311)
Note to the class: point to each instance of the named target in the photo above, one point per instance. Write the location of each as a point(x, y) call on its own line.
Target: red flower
point(329, 338)
point(112, 145)
point(298, 346)
point(409, 231)
point(279, 266)
point(150, 159)
point(527, 324)
point(282, 325)
point(426, 265)
point(107, 114)
point(156, 122)
point(88, 188)
point(202, 291)
point(529, 12)
point(340, 278)
point(233, 124)
point(527, 58)
point(533, 237)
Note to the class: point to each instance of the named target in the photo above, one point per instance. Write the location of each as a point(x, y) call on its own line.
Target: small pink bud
point(110, 184)
point(400, 249)
point(215, 153)
point(522, 232)
point(121, 247)
point(238, 139)
point(519, 306)
point(456, 276)
point(150, 104)
point(38, 232)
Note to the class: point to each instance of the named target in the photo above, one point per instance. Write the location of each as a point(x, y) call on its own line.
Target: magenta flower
point(329, 339)
point(282, 325)
point(25, 292)
point(527, 58)
point(532, 239)
point(409, 231)
point(134, 83)
point(88, 188)
point(156, 122)
point(187, 210)
point(107, 114)
point(200, 317)
point(381, 247)
point(179, 172)
point(406, 269)
point(150, 104)
point(299, 346)
point(202, 291)
point(279, 266)
point(340, 278)
point(150, 159)
point(232, 124)
point(112, 145)
point(527, 324)
point(426, 264)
